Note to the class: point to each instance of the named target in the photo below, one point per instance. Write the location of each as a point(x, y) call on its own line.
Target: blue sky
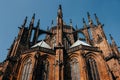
point(13, 12)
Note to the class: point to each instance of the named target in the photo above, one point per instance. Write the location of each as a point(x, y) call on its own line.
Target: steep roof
point(79, 42)
point(42, 44)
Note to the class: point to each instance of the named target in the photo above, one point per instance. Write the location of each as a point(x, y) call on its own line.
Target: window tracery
point(75, 70)
point(92, 69)
point(72, 70)
point(27, 68)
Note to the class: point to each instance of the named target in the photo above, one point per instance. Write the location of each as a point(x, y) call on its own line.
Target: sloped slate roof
point(42, 44)
point(79, 42)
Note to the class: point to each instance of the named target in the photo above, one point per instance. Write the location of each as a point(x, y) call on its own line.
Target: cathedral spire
point(59, 26)
point(89, 19)
point(60, 11)
point(25, 21)
point(97, 20)
point(59, 16)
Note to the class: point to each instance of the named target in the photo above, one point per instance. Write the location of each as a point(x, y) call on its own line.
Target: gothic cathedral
point(63, 54)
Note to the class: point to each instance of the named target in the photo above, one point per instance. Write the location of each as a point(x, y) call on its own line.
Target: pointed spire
point(89, 19)
point(59, 16)
point(36, 33)
point(47, 28)
point(52, 23)
point(97, 20)
point(76, 27)
point(113, 42)
point(111, 37)
point(84, 23)
point(38, 23)
point(70, 22)
point(25, 21)
point(60, 11)
point(33, 18)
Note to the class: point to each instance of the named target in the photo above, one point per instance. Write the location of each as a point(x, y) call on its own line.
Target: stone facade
point(63, 54)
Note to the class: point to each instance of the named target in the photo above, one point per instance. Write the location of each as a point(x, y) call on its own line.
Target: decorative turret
point(89, 19)
point(85, 26)
point(77, 33)
point(60, 12)
point(97, 20)
point(47, 28)
point(114, 45)
point(36, 34)
point(52, 23)
point(113, 42)
point(59, 34)
point(70, 22)
point(30, 30)
point(25, 21)
point(59, 16)
point(86, 33)
point(33, 18)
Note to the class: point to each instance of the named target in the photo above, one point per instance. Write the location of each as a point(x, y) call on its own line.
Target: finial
point(60, 11)
point(76, 27)
point(52, 23)
point(25, 21)
point(38, 23)
point(15, 39)
point(113, 42)
point(90, 21)
point(33, 17)
point(84, 23)
point(111, 37)
point(88, 14)
point(60, 6)
point(47, 28)
point(83, 20)
point(70, 22)
point(97, 20)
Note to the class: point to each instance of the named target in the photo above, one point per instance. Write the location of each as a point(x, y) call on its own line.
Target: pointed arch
point(42, 70)
point(72, 70)
point(26, 69)
point(75, 70)
point(93, 73)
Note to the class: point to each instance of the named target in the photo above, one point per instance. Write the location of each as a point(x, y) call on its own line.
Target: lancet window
point(92, 69)
point(75, 69)
point(27, 69)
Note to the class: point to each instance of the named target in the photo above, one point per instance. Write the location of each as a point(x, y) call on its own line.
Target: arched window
point(92, 69)
point(27, 68)
point(75, 70)
point(45, 70)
